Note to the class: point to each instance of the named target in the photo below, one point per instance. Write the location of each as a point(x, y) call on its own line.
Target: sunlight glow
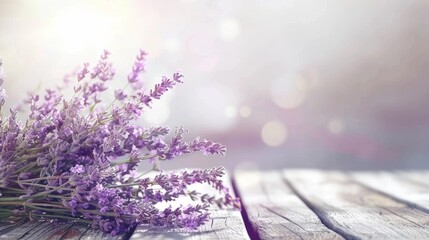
point(81, 28)
point(158, 114)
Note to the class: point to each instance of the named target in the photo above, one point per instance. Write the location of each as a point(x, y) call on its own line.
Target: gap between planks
point(275, 211)
point(356, 211)
point(408, 187)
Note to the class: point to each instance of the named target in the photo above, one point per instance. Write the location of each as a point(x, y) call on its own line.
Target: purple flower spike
point(138, 68)
point(177, 77)
point(82, 73)
point(162, 87)
point(2, 91)
point(208, 147)
point(120, 95)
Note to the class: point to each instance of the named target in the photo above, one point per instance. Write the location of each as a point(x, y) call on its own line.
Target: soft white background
point(329, 84)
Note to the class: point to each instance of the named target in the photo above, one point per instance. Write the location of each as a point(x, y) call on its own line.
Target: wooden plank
point(417, 177)
point(90, 234)
point(22, 230)
point(224, 224)
point(47, 230)
point(55, 231)
point(81, 231)
point(274, 211)
point(37, 230)
point(408, 187)
point(354, 210)
point(76, 232)
point(6, 227)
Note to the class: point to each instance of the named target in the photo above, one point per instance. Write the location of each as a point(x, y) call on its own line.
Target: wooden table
point(291, 204)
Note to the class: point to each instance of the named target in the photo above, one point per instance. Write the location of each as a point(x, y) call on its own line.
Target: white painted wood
point(274, 211)
point(420, 177)
point(403, 186)
point(91, 234)
point(356, 211)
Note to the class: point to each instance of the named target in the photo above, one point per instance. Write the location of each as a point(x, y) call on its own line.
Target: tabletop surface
point(290, 204)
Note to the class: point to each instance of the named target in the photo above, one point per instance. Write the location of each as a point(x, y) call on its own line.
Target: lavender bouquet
point(75, 159)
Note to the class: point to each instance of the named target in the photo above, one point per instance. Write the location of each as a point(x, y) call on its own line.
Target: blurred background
point(283, 83)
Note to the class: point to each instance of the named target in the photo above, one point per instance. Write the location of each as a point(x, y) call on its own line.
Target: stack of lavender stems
point(76, 159)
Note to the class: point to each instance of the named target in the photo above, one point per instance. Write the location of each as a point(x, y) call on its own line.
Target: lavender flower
point(76, 159)
point(134, 77)
point(82, 73)
point(77, 169)
point(2, 91)
point(120, 94)
point(164, 86)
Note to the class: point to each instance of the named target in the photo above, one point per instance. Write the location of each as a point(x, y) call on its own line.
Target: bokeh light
point(336, 126)
point(230, 111)
point(229, 29)
point(245, 111)
point(274, 133)
point(289, 92)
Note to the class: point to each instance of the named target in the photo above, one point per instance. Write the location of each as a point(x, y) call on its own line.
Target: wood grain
point(274, 211)
point(354, 210)
point(408, 187)
point(76, 231)
point(90, 234)
point(47, 230)
point(37, 230)
point(20, 231)
point(81, 231)
point(54, 231)
point(6, 227)
point(224, 224)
